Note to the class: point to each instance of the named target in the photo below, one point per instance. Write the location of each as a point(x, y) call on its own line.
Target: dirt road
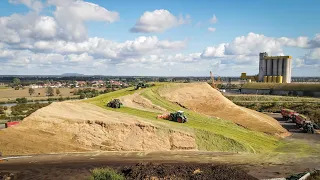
point(77, 166)
point(296, 132)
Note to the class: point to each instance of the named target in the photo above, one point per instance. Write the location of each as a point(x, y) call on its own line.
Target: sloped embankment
point(76, 126)
point(200, 97)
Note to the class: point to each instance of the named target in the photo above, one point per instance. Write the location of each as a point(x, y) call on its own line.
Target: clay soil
point(202, 98)
point(184, 171)
point(143, 171)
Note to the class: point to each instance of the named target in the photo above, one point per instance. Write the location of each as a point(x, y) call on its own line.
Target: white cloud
point(253, 44)
point(315, 42)
point(214, 19)
point(35, 5)
point(158, 21)
point(211, 29)
point(71, 16)
point(211, 52)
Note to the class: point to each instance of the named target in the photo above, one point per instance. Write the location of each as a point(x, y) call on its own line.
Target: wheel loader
point(115, 103)
point(176, 117)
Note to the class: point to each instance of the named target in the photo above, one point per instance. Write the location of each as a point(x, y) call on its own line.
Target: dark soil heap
point(151, 171)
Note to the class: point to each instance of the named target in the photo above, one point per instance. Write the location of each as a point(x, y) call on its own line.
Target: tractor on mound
point(176, 117)
point(115, 103)
point(143, 85)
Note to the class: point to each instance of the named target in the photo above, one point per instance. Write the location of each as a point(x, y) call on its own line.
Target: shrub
point(105, 174)
point(21, 100)
point(82, 95)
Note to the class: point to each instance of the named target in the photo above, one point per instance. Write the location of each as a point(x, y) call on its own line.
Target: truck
point(287, 114)
point(299, 119)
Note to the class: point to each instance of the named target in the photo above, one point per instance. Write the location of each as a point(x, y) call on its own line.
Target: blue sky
point(155, 37)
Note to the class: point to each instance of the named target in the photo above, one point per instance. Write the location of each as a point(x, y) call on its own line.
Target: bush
point(21, 100)
point(105, 174)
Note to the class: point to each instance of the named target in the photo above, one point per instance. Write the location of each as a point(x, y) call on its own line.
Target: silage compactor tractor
point(115, 103)
point(176, 117)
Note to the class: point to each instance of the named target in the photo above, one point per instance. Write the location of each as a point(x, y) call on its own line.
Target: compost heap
point(202, 98)
point(77, 126)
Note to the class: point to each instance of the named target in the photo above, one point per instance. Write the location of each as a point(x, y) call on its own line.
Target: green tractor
point(115, 103)
point(140, 85)
point(178, 117)
point(143, 85)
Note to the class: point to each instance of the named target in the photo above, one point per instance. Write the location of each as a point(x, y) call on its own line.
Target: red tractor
point(287, 114)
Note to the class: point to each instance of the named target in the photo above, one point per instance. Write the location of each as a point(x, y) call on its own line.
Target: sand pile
point(202, 98)
point(139, 102)
point(77, 126)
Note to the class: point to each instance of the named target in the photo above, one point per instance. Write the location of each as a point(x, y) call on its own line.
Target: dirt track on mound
point(77, 126)
point(202, 98)
point(138, 102)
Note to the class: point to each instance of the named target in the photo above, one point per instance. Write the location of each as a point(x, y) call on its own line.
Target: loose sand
point(77, 126)
point(202, 98)
point(139, 102)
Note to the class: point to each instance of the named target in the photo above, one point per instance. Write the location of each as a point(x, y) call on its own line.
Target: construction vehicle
point(308, 127)
point(287, 114)
point(115, 103)
point(176, 117)
point(299, 119)
point(140, 85)
point(143, 85)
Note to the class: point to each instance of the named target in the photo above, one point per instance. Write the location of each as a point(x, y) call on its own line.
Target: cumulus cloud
point(315, 42)
point(35, 5)
point(71, 16)
point(211, 29)
point(158, 21)
point(214, 19)
point(212, 52)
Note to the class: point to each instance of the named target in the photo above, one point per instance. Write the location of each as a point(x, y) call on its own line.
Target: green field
point(268, 103)
point(283, 86)
point(211, 134)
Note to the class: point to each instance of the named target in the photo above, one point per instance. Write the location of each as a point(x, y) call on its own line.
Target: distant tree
point(58, 92)
point(82, 95)
point(162, 80)
point(16, 81)
point(47, 82)
point(49, 91)
point(31, 91)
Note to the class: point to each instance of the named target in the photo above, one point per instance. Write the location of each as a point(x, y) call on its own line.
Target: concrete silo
point(274, 67)
point(262, 66)
point(279, 66)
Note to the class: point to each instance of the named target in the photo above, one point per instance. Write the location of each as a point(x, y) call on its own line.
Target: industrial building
point(274, 69)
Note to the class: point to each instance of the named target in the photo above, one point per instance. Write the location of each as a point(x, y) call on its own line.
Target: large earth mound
point(77, 126)
point(202, 98)
point(137, 101)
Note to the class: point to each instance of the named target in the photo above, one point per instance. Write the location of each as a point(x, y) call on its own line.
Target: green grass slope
point(211, 134)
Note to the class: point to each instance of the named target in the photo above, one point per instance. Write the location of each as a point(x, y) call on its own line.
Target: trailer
point(287, 114)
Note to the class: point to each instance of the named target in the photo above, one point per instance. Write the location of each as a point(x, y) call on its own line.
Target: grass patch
point(105, 174)
point(283, 86)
